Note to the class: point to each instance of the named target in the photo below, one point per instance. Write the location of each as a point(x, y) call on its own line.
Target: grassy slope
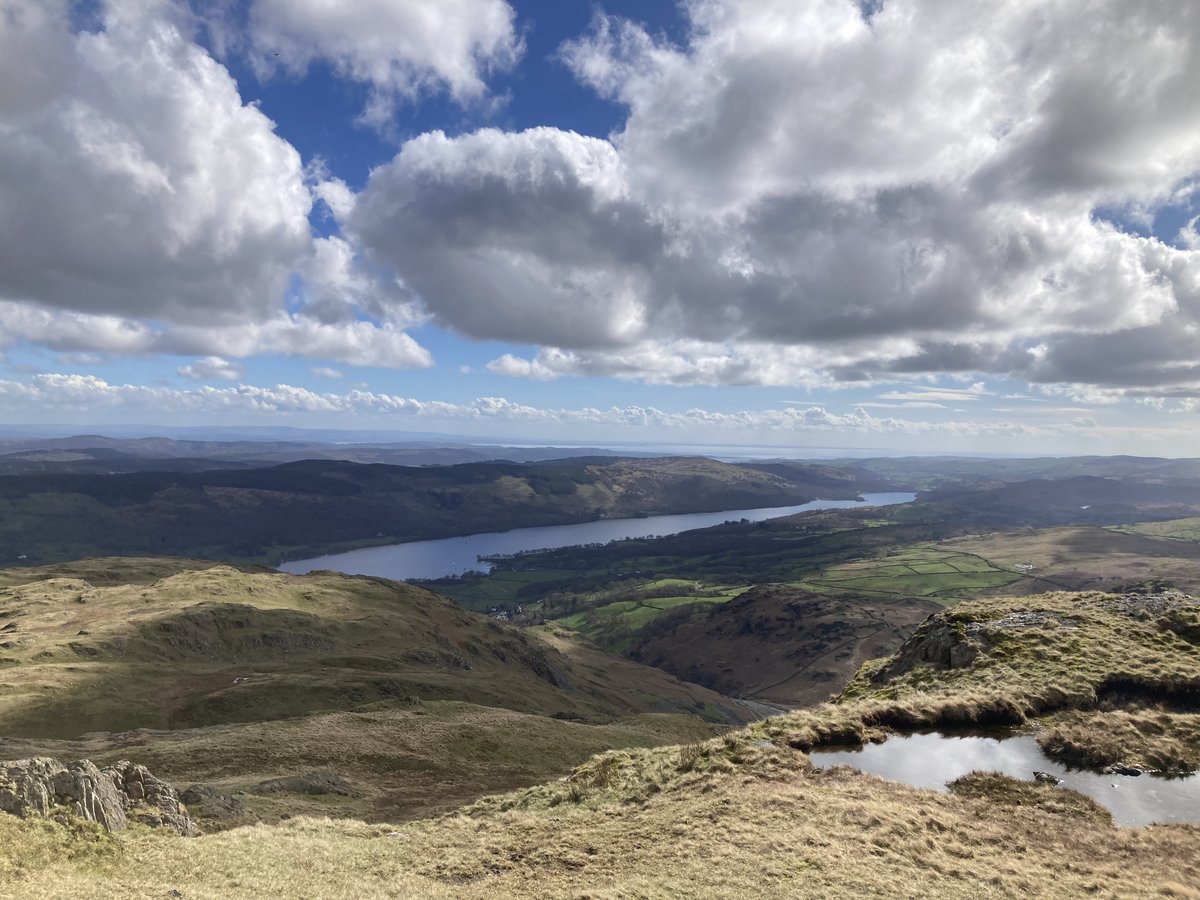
point(779, 645)
point(221, 645)
point(740, 815)
point(401, 760)
point(214, 674)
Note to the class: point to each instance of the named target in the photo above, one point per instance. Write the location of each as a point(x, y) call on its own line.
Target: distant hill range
point(100, 454)
point(927, 472)
point(302, 508)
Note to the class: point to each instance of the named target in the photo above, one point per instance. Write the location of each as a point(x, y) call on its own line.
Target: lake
point(931, 760)
point(453, 556)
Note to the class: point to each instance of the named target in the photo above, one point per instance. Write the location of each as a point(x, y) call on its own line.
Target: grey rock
point(1046, 778)
point(315, 783)
point(206, 802)
point(1122, 769)
point(112, 796)
point(43, 787)
point(150, 800)
point(937, 644)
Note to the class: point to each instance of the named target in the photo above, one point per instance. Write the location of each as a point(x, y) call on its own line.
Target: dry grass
point(1054, 653)
point(1149, 739)
point(1001, 790)
point(771, 826)
point(743, 814)
point(402, 761)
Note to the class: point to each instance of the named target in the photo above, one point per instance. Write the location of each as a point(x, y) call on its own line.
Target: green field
point(942, 575)
point(615, 625)
point(1174, 529)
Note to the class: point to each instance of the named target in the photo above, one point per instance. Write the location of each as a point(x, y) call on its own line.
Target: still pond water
point(931, 760)
point(453, 556)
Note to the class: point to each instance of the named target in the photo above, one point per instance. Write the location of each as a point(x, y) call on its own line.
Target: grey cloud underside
point(801, 193)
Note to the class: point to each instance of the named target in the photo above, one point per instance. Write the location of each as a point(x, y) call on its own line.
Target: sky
point(897, 225)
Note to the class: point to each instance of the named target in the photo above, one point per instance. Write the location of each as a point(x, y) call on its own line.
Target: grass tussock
point(1008, 661)
point(1150, 739)
point(28, 846)
point(995, 790)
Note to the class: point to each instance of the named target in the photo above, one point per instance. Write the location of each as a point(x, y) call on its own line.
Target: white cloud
point(89, 398)
point(950, 395)
point(355, 343)
point(135, 181)
point(829, 198)
point(61, 391)
point(906, 404)
point(326, 372)
point(212, 368)
point(401, 48)
point(147, 209)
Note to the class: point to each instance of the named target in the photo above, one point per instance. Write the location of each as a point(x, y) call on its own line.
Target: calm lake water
point(932, 760)
point(453, 556)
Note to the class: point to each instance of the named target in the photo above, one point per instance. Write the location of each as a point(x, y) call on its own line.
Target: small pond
point(931, 760)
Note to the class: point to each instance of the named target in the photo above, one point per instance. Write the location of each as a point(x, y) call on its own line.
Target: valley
point(442, 737)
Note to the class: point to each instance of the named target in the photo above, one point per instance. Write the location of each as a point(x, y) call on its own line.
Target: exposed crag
point(113, 796)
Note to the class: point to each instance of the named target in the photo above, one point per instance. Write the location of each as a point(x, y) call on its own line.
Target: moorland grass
point(769, 826)
point(745, 814)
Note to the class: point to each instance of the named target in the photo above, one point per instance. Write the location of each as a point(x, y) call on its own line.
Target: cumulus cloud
point(353, 342)
point(401, 48)
point(146, 209)
point(135, 181)
point(62, 391)
point(92, 397)
point(212, 368)
point(925, 189)
point(326, 372)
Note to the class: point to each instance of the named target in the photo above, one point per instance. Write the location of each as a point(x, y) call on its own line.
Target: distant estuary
point(456, 555)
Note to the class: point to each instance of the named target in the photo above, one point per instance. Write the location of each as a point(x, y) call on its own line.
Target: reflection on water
point(933, 760)
point(453, 556)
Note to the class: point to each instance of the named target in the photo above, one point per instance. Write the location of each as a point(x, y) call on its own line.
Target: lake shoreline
point(444, 557)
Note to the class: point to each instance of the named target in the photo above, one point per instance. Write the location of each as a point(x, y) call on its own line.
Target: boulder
point(206, 802)
point(1122, 769)
point(42, 786)
point(112, 796)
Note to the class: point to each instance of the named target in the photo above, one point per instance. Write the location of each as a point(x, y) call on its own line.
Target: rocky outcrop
point(947, 642)
point(214, 807)
point(148, 799)
point(313, 783)
point(113, 796)
point(938, 644)
point(42, 786)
